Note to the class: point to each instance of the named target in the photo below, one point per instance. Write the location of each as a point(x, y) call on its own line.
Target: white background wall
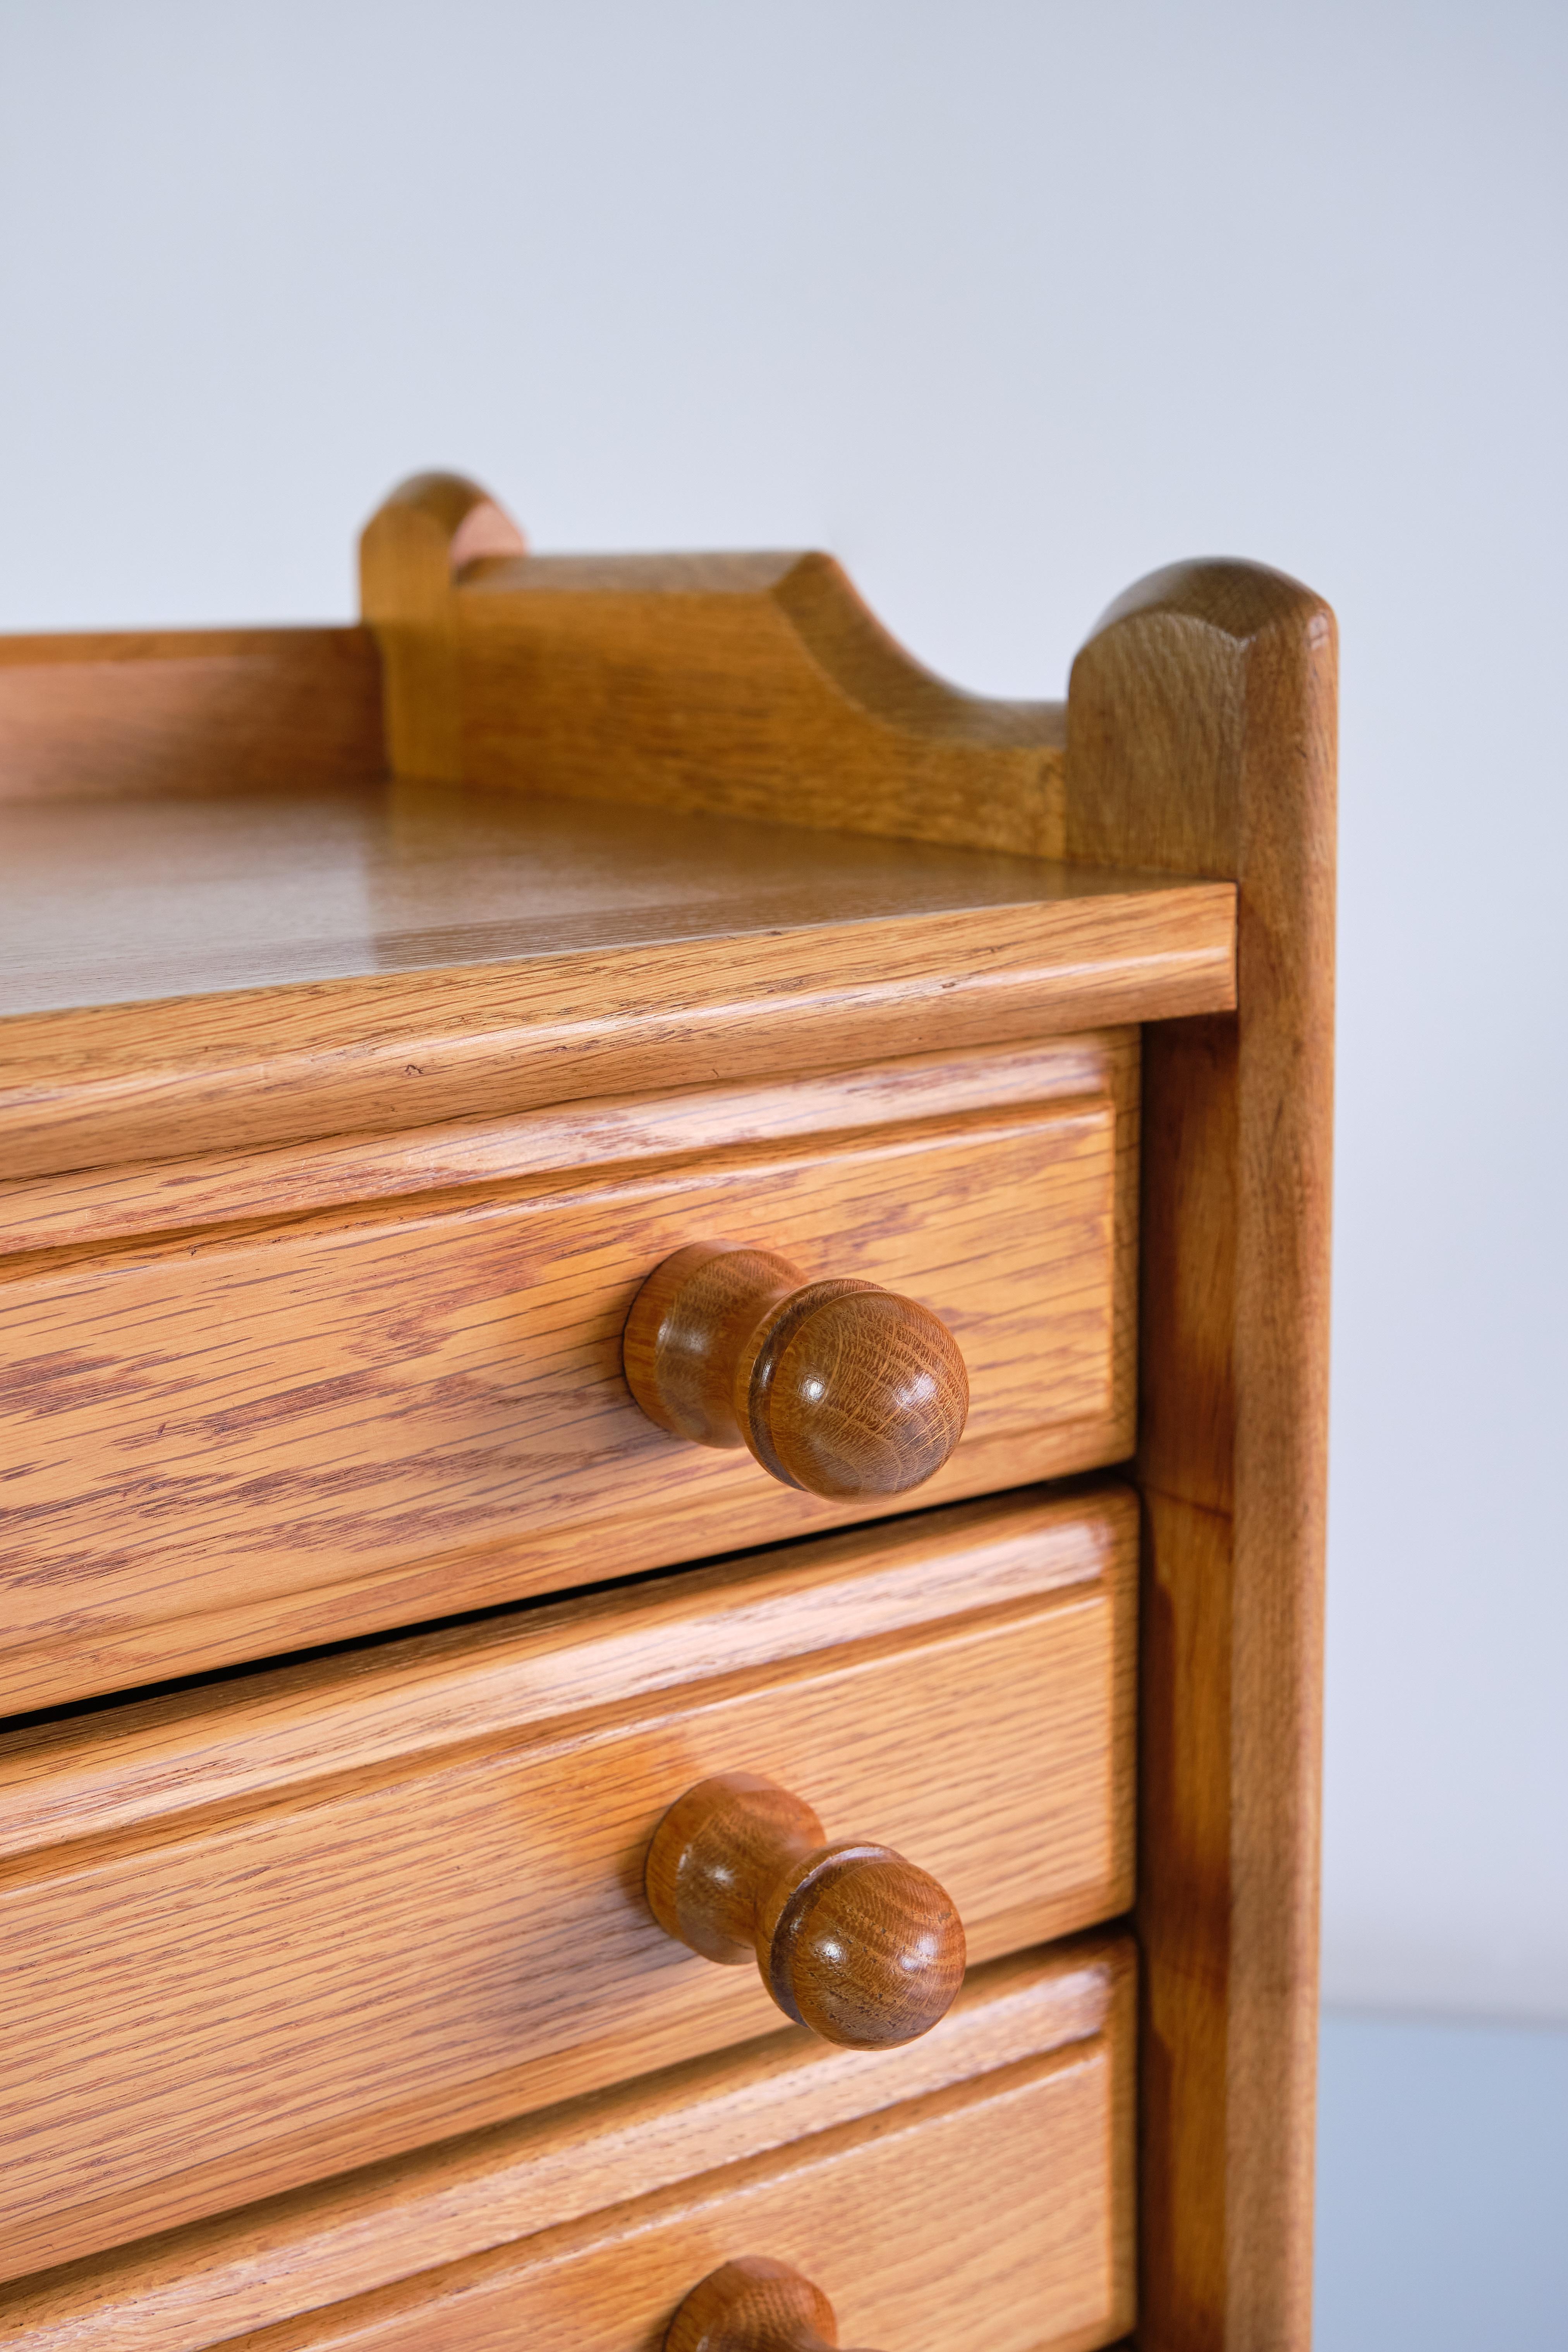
point(1007, 304)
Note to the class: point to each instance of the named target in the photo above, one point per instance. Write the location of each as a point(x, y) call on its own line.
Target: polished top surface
point(119, 902)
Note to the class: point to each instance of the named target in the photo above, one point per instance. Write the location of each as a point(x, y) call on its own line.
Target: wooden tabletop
point(117, 902)
point(189, 974)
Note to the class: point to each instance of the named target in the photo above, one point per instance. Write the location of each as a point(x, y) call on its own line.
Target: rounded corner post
point(411, 552)
point(1201, 739)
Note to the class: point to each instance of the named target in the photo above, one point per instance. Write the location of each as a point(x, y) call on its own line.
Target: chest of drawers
point(662, 1303)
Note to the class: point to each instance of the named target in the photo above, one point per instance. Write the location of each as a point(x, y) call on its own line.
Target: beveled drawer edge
point(256, 2267)
point(87, 1208)
point(112, 1773)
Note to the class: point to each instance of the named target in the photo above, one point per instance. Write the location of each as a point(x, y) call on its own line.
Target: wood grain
point(233, 1188)
point(754, 2305)
point(425, 533)
point(1201, 737)
point(837, 1386)
point(142, 899)
point(999, 2205)
point(850, 1940)
point(190, 711)
point(754, 685)
point(477, 1031)
point(228, 1443)
point(740, 685)
point(215, 2280)
point(277, 1086)
point(279, 1927)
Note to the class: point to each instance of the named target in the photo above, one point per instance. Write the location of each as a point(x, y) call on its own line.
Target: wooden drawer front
point(242, 1442)
point(588, 2222)
point(271, 1929)
point(983, 2214)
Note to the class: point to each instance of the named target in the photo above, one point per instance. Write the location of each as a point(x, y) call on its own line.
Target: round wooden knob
point(754, 2305)
point(851, 1939)
point(837, 1386)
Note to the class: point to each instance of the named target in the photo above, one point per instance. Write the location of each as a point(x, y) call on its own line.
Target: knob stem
point(688, 1327)
point(852, 1941)
point(838, 1386)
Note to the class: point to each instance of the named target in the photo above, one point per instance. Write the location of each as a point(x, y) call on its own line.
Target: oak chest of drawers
point(662, 1370)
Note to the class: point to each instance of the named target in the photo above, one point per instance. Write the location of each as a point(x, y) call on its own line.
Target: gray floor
point(1441, 2186)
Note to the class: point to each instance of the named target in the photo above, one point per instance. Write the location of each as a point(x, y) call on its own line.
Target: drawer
point(296, 1921)
point(972, 2187)
point(244, 1431)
